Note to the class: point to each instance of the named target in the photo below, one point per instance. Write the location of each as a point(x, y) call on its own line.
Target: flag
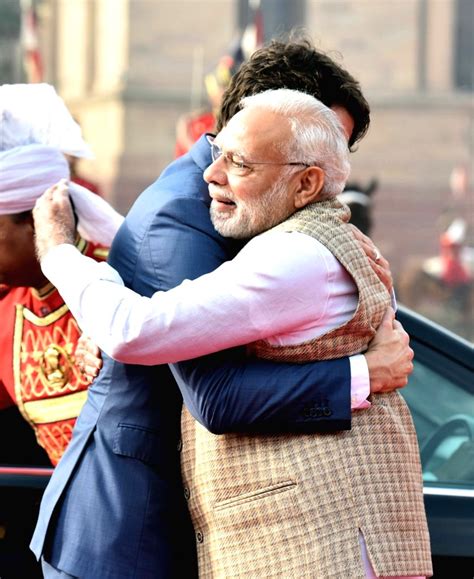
point(253, 34)
point(32, 61)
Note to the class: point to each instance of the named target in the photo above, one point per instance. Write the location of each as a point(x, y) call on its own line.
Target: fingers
point(389, 317)
point(382, 271)
point(55, 196)
point(389, 357)
point(369, 248)
point(368, 245)
point(377, 261)
point(88, 373)
point(89, 369)
point(87, 358)
point(404, 366)
point(85, 344)
point(366, 242)
point(404, 338)
point(59, 194)
point(357, 233)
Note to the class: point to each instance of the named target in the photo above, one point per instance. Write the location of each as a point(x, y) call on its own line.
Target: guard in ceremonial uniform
point(38, 335)
point(38, 338)
point(192, 125)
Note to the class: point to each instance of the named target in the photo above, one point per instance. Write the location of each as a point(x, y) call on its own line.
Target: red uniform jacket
point(38, 337)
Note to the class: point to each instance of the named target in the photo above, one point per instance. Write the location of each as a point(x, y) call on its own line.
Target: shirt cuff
point(360, 382)
point(393, 299)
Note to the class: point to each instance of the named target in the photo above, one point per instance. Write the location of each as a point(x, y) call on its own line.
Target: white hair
point(319, 138)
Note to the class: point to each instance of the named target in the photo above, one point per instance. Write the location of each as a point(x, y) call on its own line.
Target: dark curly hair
point(296, 64)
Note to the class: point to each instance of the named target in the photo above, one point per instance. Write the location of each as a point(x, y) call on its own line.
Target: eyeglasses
point(236, 164)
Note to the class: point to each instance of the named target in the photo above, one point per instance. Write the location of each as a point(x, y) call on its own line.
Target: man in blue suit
point(115, 506)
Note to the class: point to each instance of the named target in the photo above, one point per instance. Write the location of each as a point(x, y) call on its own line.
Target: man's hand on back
point(389, 357)
point(377, 261)
point(88, 358)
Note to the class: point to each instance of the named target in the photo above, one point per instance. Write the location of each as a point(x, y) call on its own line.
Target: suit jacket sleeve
point(227, 391)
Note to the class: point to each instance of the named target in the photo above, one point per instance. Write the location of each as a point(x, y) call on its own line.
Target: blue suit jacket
point(115, 506)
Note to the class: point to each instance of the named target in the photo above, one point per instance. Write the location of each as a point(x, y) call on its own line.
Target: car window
point(443, 413)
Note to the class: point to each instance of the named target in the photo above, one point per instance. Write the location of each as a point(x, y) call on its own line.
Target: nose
point(215, 173)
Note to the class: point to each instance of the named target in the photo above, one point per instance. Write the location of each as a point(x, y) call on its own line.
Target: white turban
point(35, 130)
point(36, 114)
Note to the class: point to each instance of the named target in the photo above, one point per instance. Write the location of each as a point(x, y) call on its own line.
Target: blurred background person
point(441, 286)
point(38, 334)
point(190, 126)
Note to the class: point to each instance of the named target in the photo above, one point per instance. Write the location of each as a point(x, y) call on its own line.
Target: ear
point(309, 186)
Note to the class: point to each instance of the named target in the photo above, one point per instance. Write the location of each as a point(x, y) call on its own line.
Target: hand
point(54, 219)
point(88, 358)
point(389, 357)
point(379, 264)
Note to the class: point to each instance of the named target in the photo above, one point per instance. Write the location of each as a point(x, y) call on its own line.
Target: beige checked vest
point(291, 506)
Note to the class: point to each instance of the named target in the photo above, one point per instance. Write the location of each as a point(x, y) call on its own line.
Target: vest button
point(179, 446)
point(187, 493)
point(199, 537)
